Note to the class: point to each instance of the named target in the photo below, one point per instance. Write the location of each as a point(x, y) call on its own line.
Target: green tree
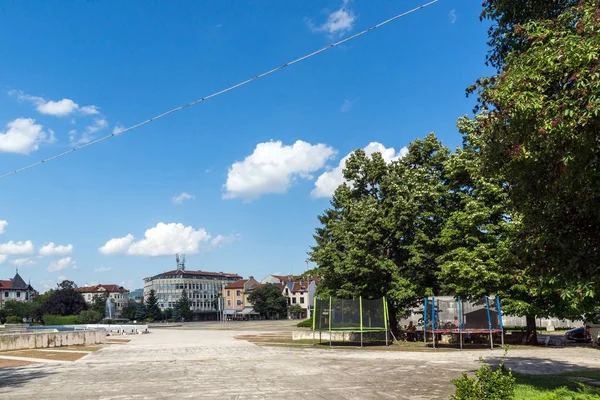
point(129, 310)
point(64, 301)
point(268, 301)
point(37, 304)
point(168, 314)
point(539, 129)
point(295, 310)
point(183, 307)
point(380, 236)
point(19, 309)
point(506, 15)
point(140, 312)
point(152, 308)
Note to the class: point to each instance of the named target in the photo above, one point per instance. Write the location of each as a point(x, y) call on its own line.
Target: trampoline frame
point(460, 330)
point(362, 329)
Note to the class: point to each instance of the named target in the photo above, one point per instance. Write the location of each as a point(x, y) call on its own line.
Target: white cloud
point(61, 264)
point(273, 167)
point(55, 250)
point(47, 284)
point(23, 136)
point(220, 240)
point(452, 16)
point(161, 240)
point(3, 258)
point(179, 199)
point(338, 22)
point(89, 110)
point(348, 104)
point(102, 269)
point(58, 108)
point(330, 180)
point(88, 135)
point(17, 248)
point(21, 262)
point(3, 224)
point(117, 245)
point(118, 129)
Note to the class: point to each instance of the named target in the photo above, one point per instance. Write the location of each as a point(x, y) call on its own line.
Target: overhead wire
point(243, 83)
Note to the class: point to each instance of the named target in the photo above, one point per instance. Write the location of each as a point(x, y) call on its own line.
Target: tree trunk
point(531, 333)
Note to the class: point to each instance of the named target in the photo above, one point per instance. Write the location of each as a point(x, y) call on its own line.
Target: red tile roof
point(107, 288)
point(5, 285)
point(237, 284)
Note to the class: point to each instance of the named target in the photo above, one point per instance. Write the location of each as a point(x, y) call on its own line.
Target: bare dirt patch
point(109, 340)
point(13, 363)
point(46, 355)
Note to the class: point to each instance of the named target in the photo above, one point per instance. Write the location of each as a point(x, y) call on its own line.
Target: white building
point(15, 289)
point(117, 294)
point(297, 290)
point(202, 288)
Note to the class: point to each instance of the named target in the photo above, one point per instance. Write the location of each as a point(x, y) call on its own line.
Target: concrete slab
point(212, 364)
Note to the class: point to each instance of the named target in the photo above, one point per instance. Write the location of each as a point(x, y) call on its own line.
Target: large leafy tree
point(540, 131)
point(20, 309)
point(129, 310)
point(380, 236)
point(268, 301)
point(64, 301)
point(99, 303)
point(505, 15)
point(152, 309)
point(481, 237)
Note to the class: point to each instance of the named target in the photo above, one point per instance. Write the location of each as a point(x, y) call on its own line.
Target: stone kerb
point(40, 340)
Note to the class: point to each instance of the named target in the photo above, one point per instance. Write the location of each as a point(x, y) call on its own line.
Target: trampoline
point(462, 320)
point(352, 316)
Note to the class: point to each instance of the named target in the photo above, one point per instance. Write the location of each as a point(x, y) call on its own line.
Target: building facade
point(117, 294)
point(137, 295)
point(235, 299)
point(297, 290)
point(203, 288)
point(15, 289)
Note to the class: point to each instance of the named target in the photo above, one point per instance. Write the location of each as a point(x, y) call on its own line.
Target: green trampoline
point(352, 316)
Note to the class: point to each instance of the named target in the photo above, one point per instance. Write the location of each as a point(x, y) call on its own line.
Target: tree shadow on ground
point(13, 377)
point(540, 365)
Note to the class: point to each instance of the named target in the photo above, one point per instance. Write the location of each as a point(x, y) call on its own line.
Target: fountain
point(110, 309)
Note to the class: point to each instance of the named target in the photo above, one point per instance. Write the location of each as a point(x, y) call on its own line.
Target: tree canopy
point(152, 310)
point(183, 307)
point(268, 301)
point(64, 301)
point(539, 129)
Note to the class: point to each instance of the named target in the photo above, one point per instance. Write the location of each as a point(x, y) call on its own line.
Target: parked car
point(578, 335)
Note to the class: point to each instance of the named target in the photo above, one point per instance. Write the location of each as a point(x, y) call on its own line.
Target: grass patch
point(578, 385)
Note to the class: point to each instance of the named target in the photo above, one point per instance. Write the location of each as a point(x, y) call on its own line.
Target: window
point(18, 294)
point(238, 293)
point(239, 302)
point(228, 293)
point(228, 303)
point(287, 291)
point(293, 300)
point(5, 294)
point(301, 300)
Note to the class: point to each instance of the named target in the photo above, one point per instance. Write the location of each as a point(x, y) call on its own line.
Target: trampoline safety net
point(354, 315)
point(467, 316)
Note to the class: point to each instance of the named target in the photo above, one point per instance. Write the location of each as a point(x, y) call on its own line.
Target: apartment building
point(235, 299)
point(117, 294)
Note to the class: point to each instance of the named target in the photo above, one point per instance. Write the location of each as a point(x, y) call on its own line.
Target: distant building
point(235, 298)
point(280, 278)
point(118, 294)
point(137, 295)
point(202, 287)
point(301, 292)
point(15, 289)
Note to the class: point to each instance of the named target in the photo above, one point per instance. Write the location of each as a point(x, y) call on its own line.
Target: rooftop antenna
point(180, 262)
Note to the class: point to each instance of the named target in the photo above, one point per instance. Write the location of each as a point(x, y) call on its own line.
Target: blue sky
point(255, 166)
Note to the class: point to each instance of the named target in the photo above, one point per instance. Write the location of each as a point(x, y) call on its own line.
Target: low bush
point(487, 384)
point(307, 323)
point(60, 319)
point(13, 319)
point(89, 317)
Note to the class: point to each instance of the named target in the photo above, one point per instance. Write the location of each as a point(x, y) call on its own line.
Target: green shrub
point(60, 319)
point(108, 321)
point(89, 317)
point(307, 323)
point(487, 384)
point(13, 319)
